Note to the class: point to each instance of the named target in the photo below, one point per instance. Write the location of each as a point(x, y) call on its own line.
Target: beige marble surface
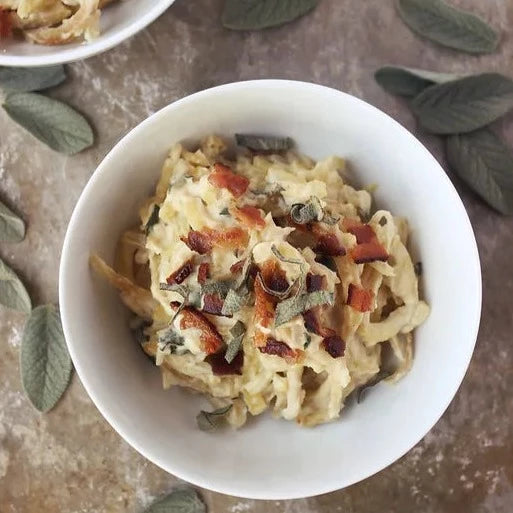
point(70, 460)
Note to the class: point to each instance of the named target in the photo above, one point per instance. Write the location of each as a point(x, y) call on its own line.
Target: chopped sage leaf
point(183, 290)
point(290, 308)
point(264, 143)
point(181, 500)
point(307, 213)
point(380, 376)
point(277, 253)
point(221, 287)
point(154, 219)
point(330, 218)
point(224, 212)
point(233, 302)
point(237, 332)
point(276, 293)
point(212, 420)
point(168, 338)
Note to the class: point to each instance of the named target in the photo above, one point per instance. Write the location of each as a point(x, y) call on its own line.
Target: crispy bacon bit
point(175, 304)
point(369, 252)
point(312, 320)
point(237, 267)
point(363, 233)
point(210, 338)
point(359, 299)
point(314, 282)
point(203, 272)
point(213, 304)
point(328, 244)
point(248, 216)
point(5, 24)
point(220, 367)
point(334, 346)
point(264, 306)
point(202, 242)
point(224, 178)
point(277, 348)
point(274, 277)
point(181, 273)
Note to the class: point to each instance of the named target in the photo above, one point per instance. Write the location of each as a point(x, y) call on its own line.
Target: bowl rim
point(64, 54)
point(234, 490)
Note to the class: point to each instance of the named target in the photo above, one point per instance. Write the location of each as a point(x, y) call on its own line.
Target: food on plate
point(260, 278)
point(51, 22)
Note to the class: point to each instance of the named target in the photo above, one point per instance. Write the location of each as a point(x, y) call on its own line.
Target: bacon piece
point(237, 267)
point(277, 348)
point(5, 24)
point(363, 233)
point(203, 242)
point(264, 306)
point(328, 244)
point(248, 216)
point(213, 304)
point(210, 338)
point(360, 299)
point(220, 367)
point(181, 273)
point(334, 346)
point(224, 178)
point(203, 272)
point(314, 282)
point(368, 252)
point(274, 277)
point(313, 323)
point(175, 304)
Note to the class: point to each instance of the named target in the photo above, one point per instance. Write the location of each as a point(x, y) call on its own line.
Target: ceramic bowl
point(119, 21)
point(269, 458)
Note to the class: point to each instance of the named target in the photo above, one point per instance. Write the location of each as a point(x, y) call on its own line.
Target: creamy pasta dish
point(259, 278)
point(51, 22)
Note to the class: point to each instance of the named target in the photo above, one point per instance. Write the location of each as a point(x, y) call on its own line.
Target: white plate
point(274, 459)
point(119, 21)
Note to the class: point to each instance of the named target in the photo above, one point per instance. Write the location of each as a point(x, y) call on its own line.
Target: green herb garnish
point(212, 420)
point(237, 332)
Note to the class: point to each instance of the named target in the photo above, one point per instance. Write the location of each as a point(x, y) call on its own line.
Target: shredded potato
point(248, 310)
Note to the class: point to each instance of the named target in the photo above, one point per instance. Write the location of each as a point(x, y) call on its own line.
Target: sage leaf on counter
point(465, 104)
point(182, 500)
point(448, 26)
point(24, 80)
point(237, 332)
point(12, 227)
point(13, 293)
point(409, 82)
point(45, 362)
point(260, 14)
point(212, 420)
point(380, 376)
point(264, 142)
point(290, 308)
point(485, 164)
point(54, 123)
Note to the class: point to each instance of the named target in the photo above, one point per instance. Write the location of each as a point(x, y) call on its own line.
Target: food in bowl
point(259, 278)
point(51, 22)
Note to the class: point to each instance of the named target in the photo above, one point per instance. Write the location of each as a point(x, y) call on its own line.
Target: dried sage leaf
point(307, 212)
point(233, 302)
point(54, 123)
point(380, 376)
point(237, 332)
point(264, 142)
point(44, 359)
point(260, 14)
point(182, 500)
point(448, 26)
point(212, 420)
point(24, 80)
point(220, 287)
point(153, 219)
point(290, 308)
point(409, 82)
point(224, 212)
point(12, 227)
point(169, 338)
point(485, 164)
point(13, 293)
point(465, 104)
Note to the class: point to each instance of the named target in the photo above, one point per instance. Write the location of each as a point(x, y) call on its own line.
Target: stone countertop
point(71, 460)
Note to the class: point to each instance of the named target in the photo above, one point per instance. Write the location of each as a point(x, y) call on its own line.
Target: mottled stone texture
point(70, 460)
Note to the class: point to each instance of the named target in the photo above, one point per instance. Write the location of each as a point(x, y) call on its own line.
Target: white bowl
point(273, 459)
point(119, 21)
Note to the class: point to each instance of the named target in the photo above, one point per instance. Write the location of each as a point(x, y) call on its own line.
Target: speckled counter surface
point(71, 460)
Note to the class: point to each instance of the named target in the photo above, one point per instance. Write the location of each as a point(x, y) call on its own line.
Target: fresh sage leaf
point(448, 26)
point(290, 308)
point(13, 293)
point(485, 164)
point(237, 332)
point(380, 376)
point(409, 82)
point(260, 14)
point(44, 359)
point(12, 228)
point(308, 212)
point(153, 219)
point(233, 302)
point(181, 500)
point(212, 420)
point(54, 123)
point(24, 80)
point(465, 104)
point(264, 142)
